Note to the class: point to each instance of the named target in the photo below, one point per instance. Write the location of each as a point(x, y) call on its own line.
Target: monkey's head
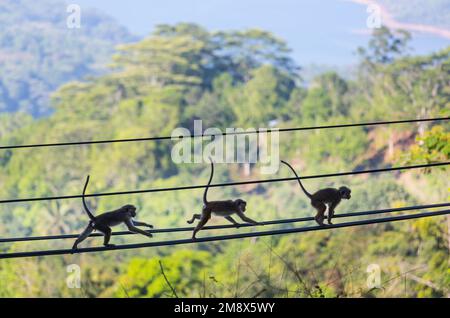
point(345, 193)
point(241, 204)
point(130, 209)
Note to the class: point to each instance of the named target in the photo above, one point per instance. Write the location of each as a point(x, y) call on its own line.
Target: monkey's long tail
point(88, 212)
point(298, 179)
point(205, 201)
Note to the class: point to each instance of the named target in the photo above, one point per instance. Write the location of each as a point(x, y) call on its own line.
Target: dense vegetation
point(38, 52)
point(235, 79)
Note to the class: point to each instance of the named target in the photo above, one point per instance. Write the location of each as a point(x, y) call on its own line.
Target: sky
point(320, 32)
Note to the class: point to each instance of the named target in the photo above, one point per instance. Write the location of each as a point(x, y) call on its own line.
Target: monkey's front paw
point(189, 222)
point(110, 245)
point(150, 226)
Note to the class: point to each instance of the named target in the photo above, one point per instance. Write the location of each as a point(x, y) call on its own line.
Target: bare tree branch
point(167, 281)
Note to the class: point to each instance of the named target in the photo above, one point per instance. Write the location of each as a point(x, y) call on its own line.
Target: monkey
point(224, 208)
point(320, 199)
point(105, 221)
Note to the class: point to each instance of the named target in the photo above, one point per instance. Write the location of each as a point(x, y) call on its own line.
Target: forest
point(184, 72)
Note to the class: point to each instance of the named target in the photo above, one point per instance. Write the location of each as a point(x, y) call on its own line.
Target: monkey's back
point(112, 218)
point(222, 208)
point(326, 195)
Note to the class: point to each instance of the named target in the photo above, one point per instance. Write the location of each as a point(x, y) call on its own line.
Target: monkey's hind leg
point(88, 230)
point(106, 230)
point(194, 217)
point(320, 216)
point(203, 220)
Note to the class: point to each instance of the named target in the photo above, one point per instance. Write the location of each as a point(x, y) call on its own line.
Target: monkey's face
point(130, 209)
point(241, 204)
point(345, 192)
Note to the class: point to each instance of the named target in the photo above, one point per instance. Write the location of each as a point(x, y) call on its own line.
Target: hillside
point(38, 52)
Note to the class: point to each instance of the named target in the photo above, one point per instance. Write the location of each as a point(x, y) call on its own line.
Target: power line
point(106, 141)
point(225, 226)
point(191, 187)
point(222, 237)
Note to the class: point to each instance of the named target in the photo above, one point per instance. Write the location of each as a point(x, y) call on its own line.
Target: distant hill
point(38, 52)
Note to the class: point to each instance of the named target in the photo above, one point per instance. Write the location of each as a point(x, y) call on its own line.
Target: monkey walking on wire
point(330, 197)
point(224, 208)
point(105, 221)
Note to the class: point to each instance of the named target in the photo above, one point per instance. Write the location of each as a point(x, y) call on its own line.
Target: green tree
point(184, 270)
point(433, 146)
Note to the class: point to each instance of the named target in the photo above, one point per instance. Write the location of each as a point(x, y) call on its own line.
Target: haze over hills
point(323, 34)
point(431, 12)
point(38, 52)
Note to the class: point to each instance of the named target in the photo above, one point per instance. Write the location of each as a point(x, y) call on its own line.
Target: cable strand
point(226, 226)
point(191, 187)
point(259, 131)
point(222, 237)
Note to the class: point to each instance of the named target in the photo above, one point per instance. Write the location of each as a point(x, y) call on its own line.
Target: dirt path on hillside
point(389, 21)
